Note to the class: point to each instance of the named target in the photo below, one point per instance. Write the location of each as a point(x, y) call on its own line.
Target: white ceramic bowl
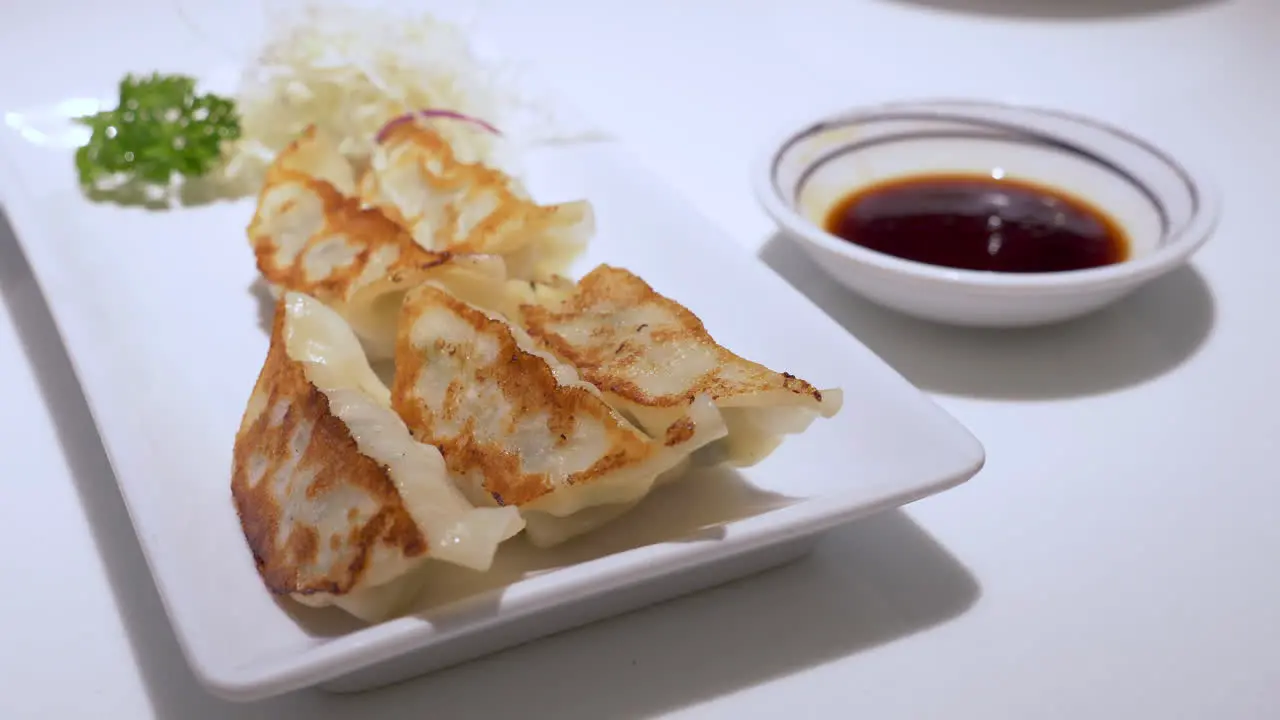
point(1167, 210)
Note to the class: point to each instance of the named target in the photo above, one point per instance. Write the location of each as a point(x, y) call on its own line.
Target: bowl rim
point(1175, 248)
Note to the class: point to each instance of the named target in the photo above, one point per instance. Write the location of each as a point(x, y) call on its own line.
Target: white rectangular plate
point(157, 316)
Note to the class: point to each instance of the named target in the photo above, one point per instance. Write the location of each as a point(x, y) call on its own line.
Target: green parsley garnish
point(159, 127)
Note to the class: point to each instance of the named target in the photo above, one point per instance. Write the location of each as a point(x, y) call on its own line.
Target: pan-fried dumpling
point(451, 206)
point(338, 503)
point(519, 428)
point(309, 237)
point(651, 356)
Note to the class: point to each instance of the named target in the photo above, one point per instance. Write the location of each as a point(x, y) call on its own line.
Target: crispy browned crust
point(679, 432)
point(332, 461)
point(366, 232)
point(512, 212)
point(609, 357)
point(526, 381)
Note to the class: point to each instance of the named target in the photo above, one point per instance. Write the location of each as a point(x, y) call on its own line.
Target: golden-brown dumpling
point(519, 428)
point(338, 503)
point(451, 206)
point(651, 357)
point(309, 237)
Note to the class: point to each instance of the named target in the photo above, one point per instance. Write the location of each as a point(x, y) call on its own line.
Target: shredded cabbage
point(350, 70)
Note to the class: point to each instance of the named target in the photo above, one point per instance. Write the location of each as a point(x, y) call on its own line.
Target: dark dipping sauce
point(976, 222)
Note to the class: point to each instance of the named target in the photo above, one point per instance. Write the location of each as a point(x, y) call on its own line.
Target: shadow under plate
point(1139, 338)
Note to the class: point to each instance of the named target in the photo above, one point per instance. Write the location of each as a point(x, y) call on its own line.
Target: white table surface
point(1119, 556)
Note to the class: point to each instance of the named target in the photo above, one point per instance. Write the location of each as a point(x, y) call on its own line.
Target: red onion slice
point(411, 116)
